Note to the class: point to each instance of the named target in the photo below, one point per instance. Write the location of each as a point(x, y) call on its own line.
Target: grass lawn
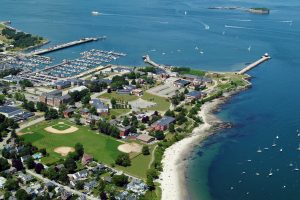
point(119, 97)
point(162, 104)
point(102, 147)
point(61, 127)
point(139, 165)
point(118, 112)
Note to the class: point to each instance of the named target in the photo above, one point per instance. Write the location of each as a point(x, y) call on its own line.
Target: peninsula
point(87, 128)
point(13, 40)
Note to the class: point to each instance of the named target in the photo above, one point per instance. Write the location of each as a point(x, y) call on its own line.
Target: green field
point(61, 127)
point(139, 165)
point(102, 147)
point(119, 97)
point(118, 112)
point(162, 104)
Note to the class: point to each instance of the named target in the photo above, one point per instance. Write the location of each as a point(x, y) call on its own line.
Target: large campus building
point(55, 98)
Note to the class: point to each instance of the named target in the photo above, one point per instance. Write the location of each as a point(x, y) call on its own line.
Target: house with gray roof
point(163, 123)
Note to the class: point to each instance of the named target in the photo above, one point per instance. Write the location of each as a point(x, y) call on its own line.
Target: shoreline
point(172, 178)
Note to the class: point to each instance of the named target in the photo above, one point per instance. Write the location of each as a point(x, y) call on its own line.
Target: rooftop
point(166, 120)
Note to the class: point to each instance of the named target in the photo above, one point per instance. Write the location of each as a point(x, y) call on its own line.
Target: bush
point(146, 150)
point(123, 160)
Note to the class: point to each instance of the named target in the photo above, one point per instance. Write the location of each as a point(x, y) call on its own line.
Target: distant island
point(251, 10)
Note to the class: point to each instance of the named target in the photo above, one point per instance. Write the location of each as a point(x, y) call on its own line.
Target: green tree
point(30, 163)
point(7, 194)
point(150, 183)
point(21, 194)
point(120, 180)
point(79, 149)
point(11, 184)
point(123, 160)
point(86, 99)
point(63, 176)
point(41, 106)
point(79, 185)
point(172, 128)
point(145, 150)
point(4, 165)
point(70, 164)
point(51, 114)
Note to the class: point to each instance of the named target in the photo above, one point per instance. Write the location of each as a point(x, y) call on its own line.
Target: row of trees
point(108, 129)
point(21, 39)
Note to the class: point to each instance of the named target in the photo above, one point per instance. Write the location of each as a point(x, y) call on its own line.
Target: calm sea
point(187, 33)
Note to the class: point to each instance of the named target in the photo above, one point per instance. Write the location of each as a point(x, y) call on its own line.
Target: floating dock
point(63, 46)
point(255, 64)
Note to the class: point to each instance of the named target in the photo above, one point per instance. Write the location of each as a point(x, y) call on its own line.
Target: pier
point(63, 46)
point(147, 60)
point(255, 64)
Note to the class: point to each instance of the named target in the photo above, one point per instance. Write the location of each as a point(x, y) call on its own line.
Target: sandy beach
point(172, 179)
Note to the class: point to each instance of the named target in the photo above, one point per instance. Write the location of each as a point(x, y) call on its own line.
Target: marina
point(39, 71)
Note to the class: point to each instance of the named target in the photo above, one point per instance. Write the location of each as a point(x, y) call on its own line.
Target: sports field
point(102, 147)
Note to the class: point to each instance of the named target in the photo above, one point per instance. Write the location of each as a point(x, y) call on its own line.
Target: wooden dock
point(63, 46)
point(255, 64)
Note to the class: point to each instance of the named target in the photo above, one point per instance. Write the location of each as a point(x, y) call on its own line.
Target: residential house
point(65, 195)
point(137, 186)
point(194, 95)
point(163, 123)
point(145, 138)
point(25, 158)
point(137, 92)
point(124, 131)
point(86, 159)
point(101, 108)
point(181, 83)
point(90, 185)
point(69, 112)
point(25, 178)
point(2, 182)
point(80, 175)
point(107, 179)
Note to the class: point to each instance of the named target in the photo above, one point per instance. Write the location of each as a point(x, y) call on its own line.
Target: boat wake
point(206, 27)
point(242, 20)
point(238, 27)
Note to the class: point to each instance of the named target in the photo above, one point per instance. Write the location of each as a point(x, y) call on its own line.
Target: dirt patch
point(64, 150)
point(50, 129)
point(130, 148)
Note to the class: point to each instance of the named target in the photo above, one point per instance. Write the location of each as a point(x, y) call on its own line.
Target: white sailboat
point(270, 173)
point(277, 137)
point(95, 13)
point(298, 148)
point(249, 48)
point(259, 150)
point(274, 144)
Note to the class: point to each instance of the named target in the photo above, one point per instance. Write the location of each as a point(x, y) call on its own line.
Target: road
point(46, 180)
point(30, 123)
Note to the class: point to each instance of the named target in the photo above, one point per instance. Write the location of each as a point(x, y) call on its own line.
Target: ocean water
point(187, 33)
